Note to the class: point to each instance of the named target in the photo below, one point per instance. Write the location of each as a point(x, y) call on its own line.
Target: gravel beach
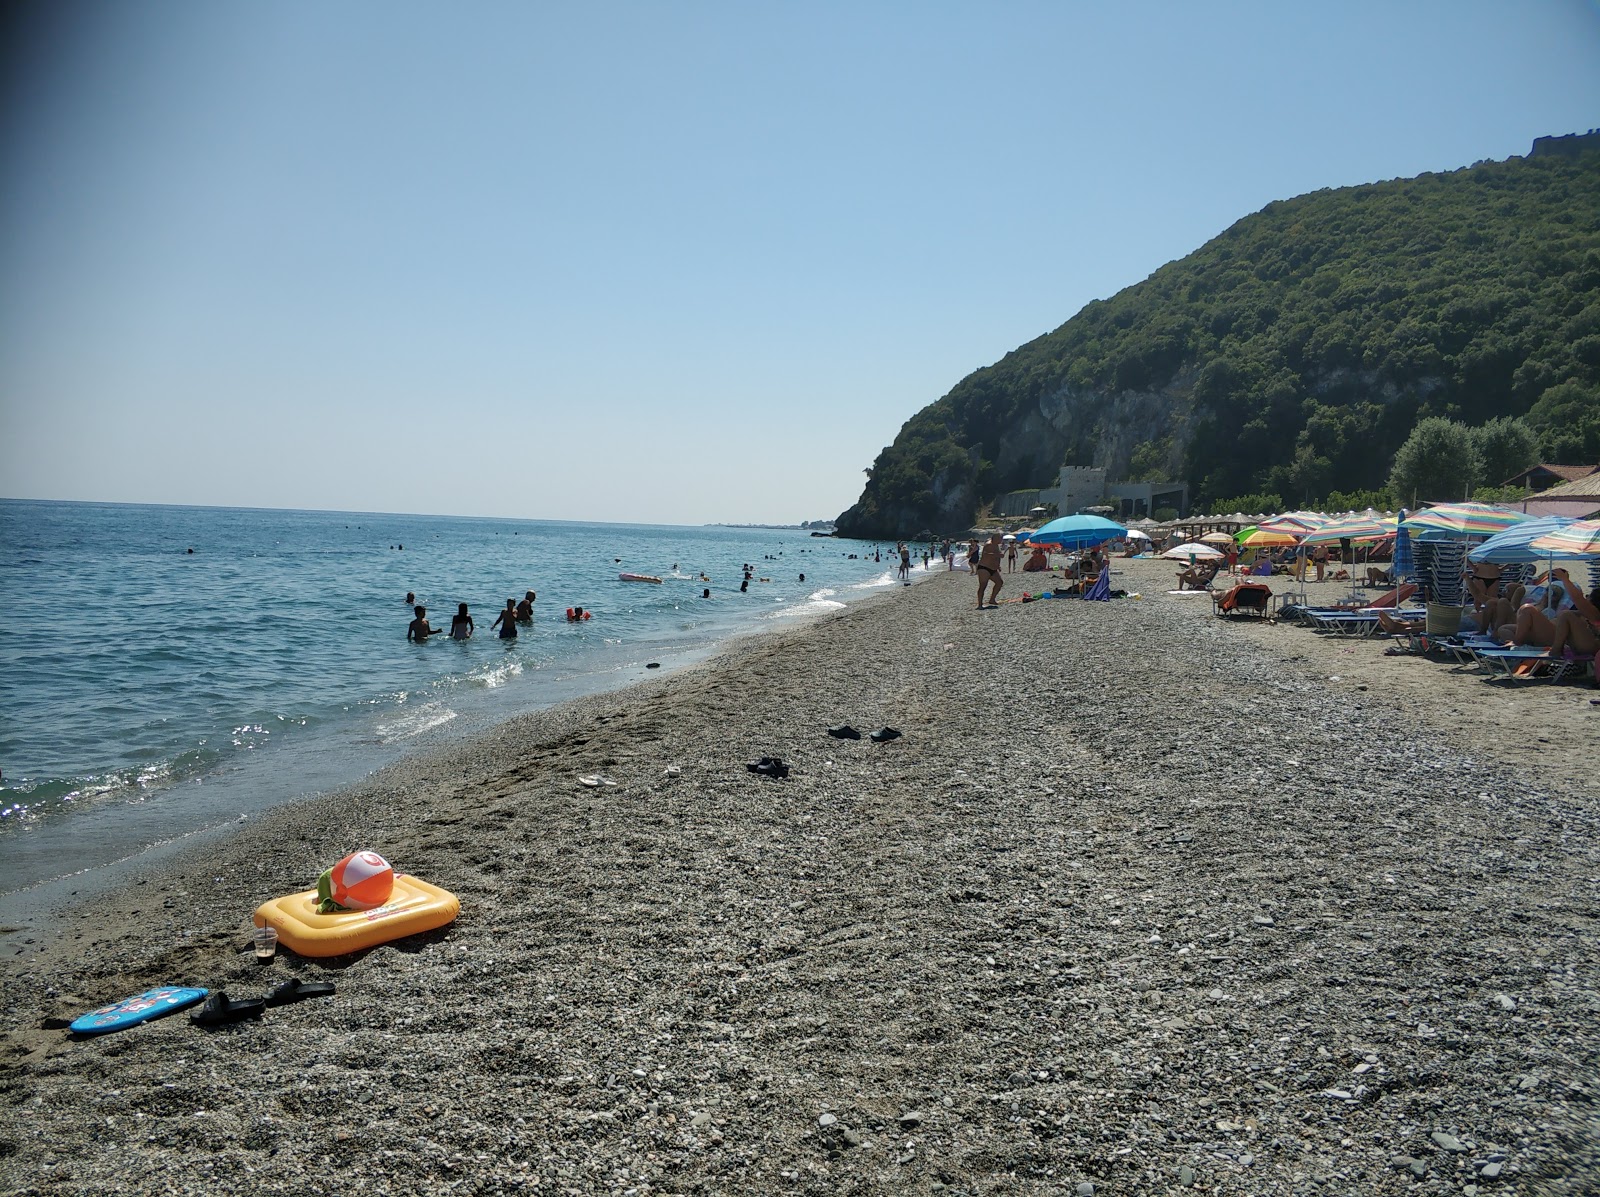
point(1140, 902)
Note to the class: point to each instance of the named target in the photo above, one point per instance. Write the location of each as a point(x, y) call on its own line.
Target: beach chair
point(1531, 663)
point(1246, 598)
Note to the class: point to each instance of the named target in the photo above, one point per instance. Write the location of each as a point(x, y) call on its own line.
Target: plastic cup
point(266, 940)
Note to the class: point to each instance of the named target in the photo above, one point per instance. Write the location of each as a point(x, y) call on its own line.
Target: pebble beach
point(1141, 901)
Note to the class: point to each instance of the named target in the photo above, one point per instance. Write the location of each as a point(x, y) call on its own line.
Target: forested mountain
point(1292, 354)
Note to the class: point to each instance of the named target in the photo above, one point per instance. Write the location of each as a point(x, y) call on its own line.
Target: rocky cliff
point(1291, 354)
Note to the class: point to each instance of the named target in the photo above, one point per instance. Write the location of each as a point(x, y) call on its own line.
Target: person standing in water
point(419, 629)
point(506, 621)
point(461, 626)
point(525, 608)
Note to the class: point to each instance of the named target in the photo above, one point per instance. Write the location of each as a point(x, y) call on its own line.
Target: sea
point(169, 671)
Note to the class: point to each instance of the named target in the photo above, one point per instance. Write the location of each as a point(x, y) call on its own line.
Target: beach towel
point(1100, 592)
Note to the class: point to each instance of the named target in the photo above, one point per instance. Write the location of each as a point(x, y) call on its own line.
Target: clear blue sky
point(668, 262)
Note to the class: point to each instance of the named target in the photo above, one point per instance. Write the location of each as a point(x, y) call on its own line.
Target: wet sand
point(1141, 899)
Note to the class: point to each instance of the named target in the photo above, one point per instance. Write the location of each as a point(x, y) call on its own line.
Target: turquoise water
point(146, 691)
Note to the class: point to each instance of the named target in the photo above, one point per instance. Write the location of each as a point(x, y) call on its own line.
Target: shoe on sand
point(844, 732)
point(884, 734)
point(296, 990)
point(220, 1010)
point(768, 766)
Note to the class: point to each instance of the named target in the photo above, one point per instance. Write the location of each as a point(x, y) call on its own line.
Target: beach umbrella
point(1217, 538)
point(1351, 527)
point(1194, 549)
point(1578, 539)
point(1452, 521)
point(1077, 532)
point(1260, 538)
point(1405, 565)
point(1515, 544)
point(1135, 534)
point(1296, 523)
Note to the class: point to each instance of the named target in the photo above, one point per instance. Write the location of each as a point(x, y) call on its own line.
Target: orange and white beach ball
point(362, 881)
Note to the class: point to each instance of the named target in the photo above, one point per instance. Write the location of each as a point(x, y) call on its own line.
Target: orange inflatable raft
point(413, 906)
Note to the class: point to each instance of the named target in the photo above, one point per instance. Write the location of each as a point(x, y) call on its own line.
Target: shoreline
point(1138, 891)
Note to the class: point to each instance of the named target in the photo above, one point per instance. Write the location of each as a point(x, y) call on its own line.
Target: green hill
point(1293, 353)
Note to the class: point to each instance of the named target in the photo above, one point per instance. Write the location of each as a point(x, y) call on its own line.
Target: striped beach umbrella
point(1579, 539)
point(1515, 545)
point(1454, 520)
point(1351, 527)
point(1295, 523)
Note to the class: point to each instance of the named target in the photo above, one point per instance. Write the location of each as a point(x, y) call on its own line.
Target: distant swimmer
point(705, 593)
point(576, 615)
point(411, 599)
point(506, 621)
point(802, 577)
point(419, 629)
point(525, 608)
point(461, 626)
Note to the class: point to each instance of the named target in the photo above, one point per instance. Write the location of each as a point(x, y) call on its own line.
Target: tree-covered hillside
point(1293, 354)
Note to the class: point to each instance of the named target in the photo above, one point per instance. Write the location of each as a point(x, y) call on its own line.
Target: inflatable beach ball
point(362, 881)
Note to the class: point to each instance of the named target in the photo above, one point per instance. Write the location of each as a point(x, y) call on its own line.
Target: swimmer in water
point(411, 599)
point(419, 629)
point(705, 593)
point(506, 621)
point(525, 608)
point(461, 625)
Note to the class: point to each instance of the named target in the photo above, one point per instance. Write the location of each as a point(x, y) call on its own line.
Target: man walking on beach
point(989, 571)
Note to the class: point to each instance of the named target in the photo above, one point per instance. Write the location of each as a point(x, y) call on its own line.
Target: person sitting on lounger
point(1541, 606)
point(1576, 627)
point(1397, 626)
point(1483, 583)
point(1198, 576)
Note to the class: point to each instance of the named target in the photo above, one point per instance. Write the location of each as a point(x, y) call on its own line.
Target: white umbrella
point(1135, 534)
point(1194, 550)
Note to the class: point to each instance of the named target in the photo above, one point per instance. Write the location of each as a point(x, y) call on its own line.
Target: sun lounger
point(1247, 598)
point(1530, 662)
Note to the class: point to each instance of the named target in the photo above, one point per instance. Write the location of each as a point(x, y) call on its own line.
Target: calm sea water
point(147, 691)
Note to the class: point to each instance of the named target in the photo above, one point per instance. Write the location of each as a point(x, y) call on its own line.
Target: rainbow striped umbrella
point(1352, 527)
point(1296, 523)
point(1462, 519)
point(1580, 539)
point(1255, 538)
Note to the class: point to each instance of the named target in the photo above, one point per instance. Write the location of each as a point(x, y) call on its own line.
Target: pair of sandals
point(845, 732)
point(220, 1009)
point(769, 766)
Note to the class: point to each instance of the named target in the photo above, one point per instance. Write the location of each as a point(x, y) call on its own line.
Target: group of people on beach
point(1552, 612)
point(462, 625)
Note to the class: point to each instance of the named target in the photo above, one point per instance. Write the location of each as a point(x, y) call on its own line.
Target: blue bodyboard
point(153, 1003)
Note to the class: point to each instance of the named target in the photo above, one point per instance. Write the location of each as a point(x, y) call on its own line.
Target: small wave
point(825, 592)
point(490, 676)
point(812, 607)
point(886, 578)
point(414, 723)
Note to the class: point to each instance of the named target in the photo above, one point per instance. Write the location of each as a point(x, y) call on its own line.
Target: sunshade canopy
point(1578, 539)
point(1200, 552)
point(1077, 532)
point(1516, 543)
point(1453, 520)
point(1351, 527)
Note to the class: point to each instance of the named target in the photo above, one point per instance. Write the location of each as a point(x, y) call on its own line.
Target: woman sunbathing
point(1577, 627)
point(1198, 576)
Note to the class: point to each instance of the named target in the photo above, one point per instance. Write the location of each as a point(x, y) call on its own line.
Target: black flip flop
point(768, 766)
point(220, 1010)
point(884, 734)
point(844, 732)
point(296, 990)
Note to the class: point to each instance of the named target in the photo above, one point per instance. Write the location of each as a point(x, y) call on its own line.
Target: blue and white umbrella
point(1077, 532)
point(1513, 546)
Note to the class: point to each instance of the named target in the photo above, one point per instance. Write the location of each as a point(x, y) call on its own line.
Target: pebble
point(827, 1120)
point(1446, 1142)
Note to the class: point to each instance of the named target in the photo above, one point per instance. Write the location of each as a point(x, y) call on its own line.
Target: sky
point(684, 262)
